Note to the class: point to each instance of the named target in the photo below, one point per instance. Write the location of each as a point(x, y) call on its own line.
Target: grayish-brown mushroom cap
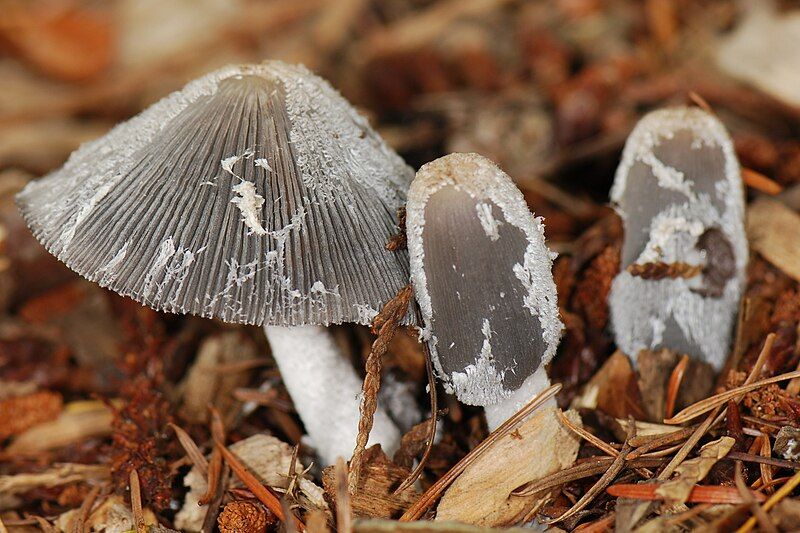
point(482, 277)
point(255, 194)
point(680, 195)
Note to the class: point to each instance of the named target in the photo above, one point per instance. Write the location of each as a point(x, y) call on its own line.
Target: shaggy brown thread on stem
point(386, 324)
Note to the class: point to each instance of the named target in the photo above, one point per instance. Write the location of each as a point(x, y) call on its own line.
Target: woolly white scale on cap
point(482, 277)
point(679, 192)
point(255, 194)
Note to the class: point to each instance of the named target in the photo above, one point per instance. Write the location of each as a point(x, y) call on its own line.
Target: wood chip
point(539, 447)
point(774, 232)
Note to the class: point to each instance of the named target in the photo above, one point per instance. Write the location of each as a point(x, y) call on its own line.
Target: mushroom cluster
point(258, 195)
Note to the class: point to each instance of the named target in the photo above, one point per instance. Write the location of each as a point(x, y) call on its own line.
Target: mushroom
point(679, 192)
point(256, 195)
point(482, 277)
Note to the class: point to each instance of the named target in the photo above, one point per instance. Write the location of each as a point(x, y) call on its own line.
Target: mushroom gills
point(219, 201)
point(678, 190)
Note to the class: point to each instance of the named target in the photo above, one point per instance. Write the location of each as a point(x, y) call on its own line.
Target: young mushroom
point(257, 195)
point(679, 192)
point(482, 277)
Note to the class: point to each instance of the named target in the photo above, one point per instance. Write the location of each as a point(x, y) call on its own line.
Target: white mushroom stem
point(499, 412)
point(326, 391)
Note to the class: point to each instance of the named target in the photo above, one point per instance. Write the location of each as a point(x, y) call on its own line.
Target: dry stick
point(597, 442)
point(699, 494)
point(264, 494)
point(191, 449)
point(771, 461)
point(765, 469)
point(712, 417)
point(700, 102)
point(645, 443)
point(675, 380)
point(585, 469)
point(598, 526)
point(79, 522)
point(708, 404)
point(412, 477)
point(588, 437)
point(773, 500)
point(747, 497)
point(659, 270)
point(387, 322)
point(344, 511)
point(760, 182)
point(287, 510)
point(601, 484)
point(215, 467)
point(136, 503)
point(212, 510)
point(434, 491)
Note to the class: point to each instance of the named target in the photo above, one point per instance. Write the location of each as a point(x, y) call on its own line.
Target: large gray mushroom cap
point(482, 277)
point(255, 194)
point(680, 195)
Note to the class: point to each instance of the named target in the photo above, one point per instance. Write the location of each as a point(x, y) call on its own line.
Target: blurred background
point(548, 90)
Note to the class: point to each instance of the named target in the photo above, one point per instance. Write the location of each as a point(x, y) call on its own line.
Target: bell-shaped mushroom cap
point(255, 194)
point(679, 192)
point(482, 277)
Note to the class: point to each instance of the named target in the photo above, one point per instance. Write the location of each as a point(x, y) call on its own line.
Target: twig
point(582, 470)
point(136, 503)
point(598, 526)
point(700, 102)
point(191, 449)
point(760, 182)
point(773, 500)
point(674, 386)
point(765, 468)
point(703, 406)
point(717, 410)
point(264, 494)
point(588, 437)
point(747, 497)
point(771, 461)
point(387, 322)
point(659, 270)
point(215, 467)
point(79, 522)
point(212, 509)
point(699, 494)
point(601, 484)
point(344, 511)
point(412, 477)
point(432, 494)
